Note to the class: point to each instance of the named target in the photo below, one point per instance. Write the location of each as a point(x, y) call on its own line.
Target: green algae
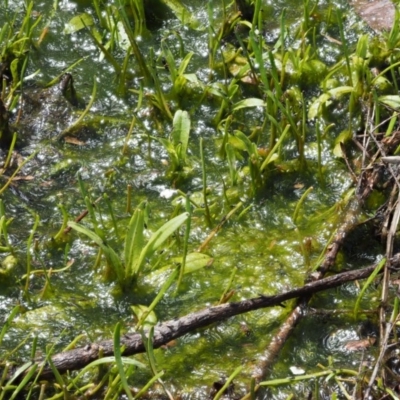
point(265, 244)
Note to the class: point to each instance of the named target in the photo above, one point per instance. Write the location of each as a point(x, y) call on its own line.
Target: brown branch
point(279, 339)
point(367, 182)
point(167, 331)
point(385, 326)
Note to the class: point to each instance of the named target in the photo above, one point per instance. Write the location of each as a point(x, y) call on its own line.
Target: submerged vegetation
point(162, 157)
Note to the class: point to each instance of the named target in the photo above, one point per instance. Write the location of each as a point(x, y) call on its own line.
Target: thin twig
point(385, 328)
point(81, 216)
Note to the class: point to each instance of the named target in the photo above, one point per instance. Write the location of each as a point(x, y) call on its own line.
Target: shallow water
point(264, 244)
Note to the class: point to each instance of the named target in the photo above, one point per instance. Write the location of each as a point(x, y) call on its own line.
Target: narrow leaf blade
point(181, 130)
point(159, 237)
point(111, 256)
point(134, 241)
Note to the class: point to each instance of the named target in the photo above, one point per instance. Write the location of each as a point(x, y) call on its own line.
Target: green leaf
point(272, 154)
point(171, 279)
point(362, 46)
point(134, 241)
point(334, 93)
point(122, 37)
point(111, 256)
point(24, 383)
point(192, 78)
point(251, 147)
point(195, 261)
point(145, 315)
point(182, 13)
point(315, 108)
point(236, 143)
point(118, 360)
point(107, 360)
point(251, 102)
point(216, 90)
point(180, 132)
point(343, 137)
point(78, 22)
point(143, 391)
point(18, 372)
point(173, 155)
point(158, 238)
point(185, 63)
point(338, 92)
point(14, 67)
point(222, 391)
point(170, 61)
point(231, 158)
point(392, 101)
point(367, 284)
point(7, 322)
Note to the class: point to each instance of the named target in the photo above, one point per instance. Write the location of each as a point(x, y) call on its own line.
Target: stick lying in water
point(167, 331)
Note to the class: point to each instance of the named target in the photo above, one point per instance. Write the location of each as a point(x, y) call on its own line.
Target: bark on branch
point(167, 331)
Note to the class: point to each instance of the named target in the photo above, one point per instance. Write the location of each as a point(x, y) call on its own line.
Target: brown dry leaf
point(331, 39)
point(362, 344)
point(73, 140)
point(236, 66)
point(17, 159)
point(171, 343)
point(43, 34)
point(377, 14)
point(227, 296)
point(391, 142)
point(46, 183)
point(23, 178)
point(263, 151)
point(250, 79)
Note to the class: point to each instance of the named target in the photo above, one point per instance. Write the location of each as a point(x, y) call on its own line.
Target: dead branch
point(385, 327)
point(279, 339)
point(167, 331)
point(367, 180)
point(394, 213)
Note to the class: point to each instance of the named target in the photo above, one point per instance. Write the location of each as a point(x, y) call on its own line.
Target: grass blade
point(109, 253)
point(227, 383)
point(180, 132)
point(158, 238)
point(134, 241)
point(14, 312)
point(159, 296)
point(367, 284)
point(118, 360)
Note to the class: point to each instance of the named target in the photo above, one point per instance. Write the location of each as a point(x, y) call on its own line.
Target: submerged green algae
point(264, 243)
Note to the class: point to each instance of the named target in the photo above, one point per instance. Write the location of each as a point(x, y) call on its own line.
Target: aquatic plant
point(257, 88)
point(179, 78)
point(136, 249)
point(177, 147)
point(15, 43)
